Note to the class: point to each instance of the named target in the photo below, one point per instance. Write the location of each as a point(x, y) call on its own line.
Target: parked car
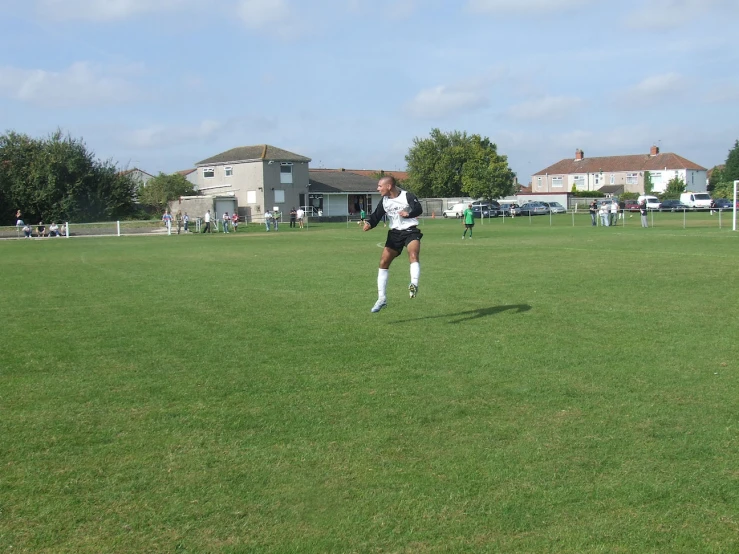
point(673, 206)
point(456, 210)
point(555, 207)
point(631, 206)
point(652, 202)
point(534, 208)
point(722, 204)
point(485, 210)
point(508, 209)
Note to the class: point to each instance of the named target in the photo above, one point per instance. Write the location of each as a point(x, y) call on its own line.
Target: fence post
point(66, 228)
point(118, 225)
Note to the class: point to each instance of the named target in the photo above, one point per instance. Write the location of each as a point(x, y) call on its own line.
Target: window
point(229, 170)
point(280, 196)
point(632, 178)
point(209, 172)
point(251, 197)
point(557, 182)
point(286, 173)
point(613, 179)
point(539, 182)
point(579, 182)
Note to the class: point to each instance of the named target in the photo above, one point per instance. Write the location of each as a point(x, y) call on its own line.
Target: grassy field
point(551, 389)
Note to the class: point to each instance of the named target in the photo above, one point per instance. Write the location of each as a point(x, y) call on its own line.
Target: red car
point(631, 206)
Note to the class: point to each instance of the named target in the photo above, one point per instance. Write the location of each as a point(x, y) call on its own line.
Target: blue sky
point(162, 84)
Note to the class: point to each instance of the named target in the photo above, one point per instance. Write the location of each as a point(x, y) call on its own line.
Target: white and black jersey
point(391, 207)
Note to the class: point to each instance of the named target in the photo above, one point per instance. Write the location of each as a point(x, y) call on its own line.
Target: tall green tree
point(59, 178)
point(455, 164)
point(162, 189)
point(731, 168)
point(486, 174)
point(717, 177)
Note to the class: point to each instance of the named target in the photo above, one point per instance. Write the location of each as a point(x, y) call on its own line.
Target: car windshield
point(702, 196)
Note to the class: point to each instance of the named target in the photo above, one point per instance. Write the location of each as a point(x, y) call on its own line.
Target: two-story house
point(259, 178)
point(619, 173)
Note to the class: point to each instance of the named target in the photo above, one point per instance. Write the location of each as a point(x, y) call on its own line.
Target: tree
point(675, 187)
point(162, 189)
point(58, 178)
point(731, 168)
point(648, 185)
point(486, 174)
point(717, 176)
point(453, 164)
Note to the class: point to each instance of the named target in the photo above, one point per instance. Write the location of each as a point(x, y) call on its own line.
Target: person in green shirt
point(468, 218)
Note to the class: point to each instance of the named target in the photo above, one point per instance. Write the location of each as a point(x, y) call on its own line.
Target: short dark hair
point(393, 182)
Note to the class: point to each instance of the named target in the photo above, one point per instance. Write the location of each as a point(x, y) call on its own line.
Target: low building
point(619, 173)
point(339, 192)
point(261, 178)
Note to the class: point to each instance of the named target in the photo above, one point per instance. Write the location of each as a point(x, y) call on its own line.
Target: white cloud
point(161, 136)
point(549, 108)
point(653, 89)
point(525, 7)
point(443, 101)
point(104, 10)
point(273, 17)
point(667, 14)
point(82, 84)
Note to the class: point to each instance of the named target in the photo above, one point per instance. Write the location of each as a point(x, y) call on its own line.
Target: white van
point(457, 210)
point(653, 202)
point(696, 200)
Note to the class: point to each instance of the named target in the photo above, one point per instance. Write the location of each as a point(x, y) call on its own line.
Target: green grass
point(551, 389)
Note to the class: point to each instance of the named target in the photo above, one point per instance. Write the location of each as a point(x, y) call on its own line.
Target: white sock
point(382, 275)
point(415, 272)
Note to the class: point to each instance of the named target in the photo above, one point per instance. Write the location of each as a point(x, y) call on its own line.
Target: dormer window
point(209, 172)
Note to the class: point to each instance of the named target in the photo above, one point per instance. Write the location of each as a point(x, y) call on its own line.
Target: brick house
point(619, 173)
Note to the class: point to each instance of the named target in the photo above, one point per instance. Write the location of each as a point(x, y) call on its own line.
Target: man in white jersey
point(401, 208)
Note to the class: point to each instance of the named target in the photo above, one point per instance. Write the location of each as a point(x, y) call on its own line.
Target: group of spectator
point(41, 231)
point(607, 212)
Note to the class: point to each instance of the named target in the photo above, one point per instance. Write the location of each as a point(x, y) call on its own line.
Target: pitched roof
point(258, 152)
point(399, 175)
point(615, 164)
point(337, 180)
point(133, 170)
point(185, 172)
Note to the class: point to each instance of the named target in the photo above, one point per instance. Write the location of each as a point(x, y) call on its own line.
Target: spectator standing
point(185, 221)
point(226, 221)
point(604, 214)
point(268, 219)
point(276, 215)
point(167, 218)
point(206, 217)
point(18, 219)
point(614, 212)
point(593, 208)
point(235, 221)
point(643, 213)
point(293, 216)
point(300, 215)
point(178, 217)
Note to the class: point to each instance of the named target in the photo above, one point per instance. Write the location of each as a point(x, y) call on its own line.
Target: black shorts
point(469, 225)
point(397, 239)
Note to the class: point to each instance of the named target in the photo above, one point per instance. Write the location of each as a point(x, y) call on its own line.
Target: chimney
point(579, 155)
point(654, 151)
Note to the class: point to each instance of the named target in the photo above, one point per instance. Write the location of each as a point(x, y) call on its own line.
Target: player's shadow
point(469, 315)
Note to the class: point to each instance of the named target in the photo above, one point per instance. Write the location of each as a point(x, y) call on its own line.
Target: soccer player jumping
point(402, 209)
